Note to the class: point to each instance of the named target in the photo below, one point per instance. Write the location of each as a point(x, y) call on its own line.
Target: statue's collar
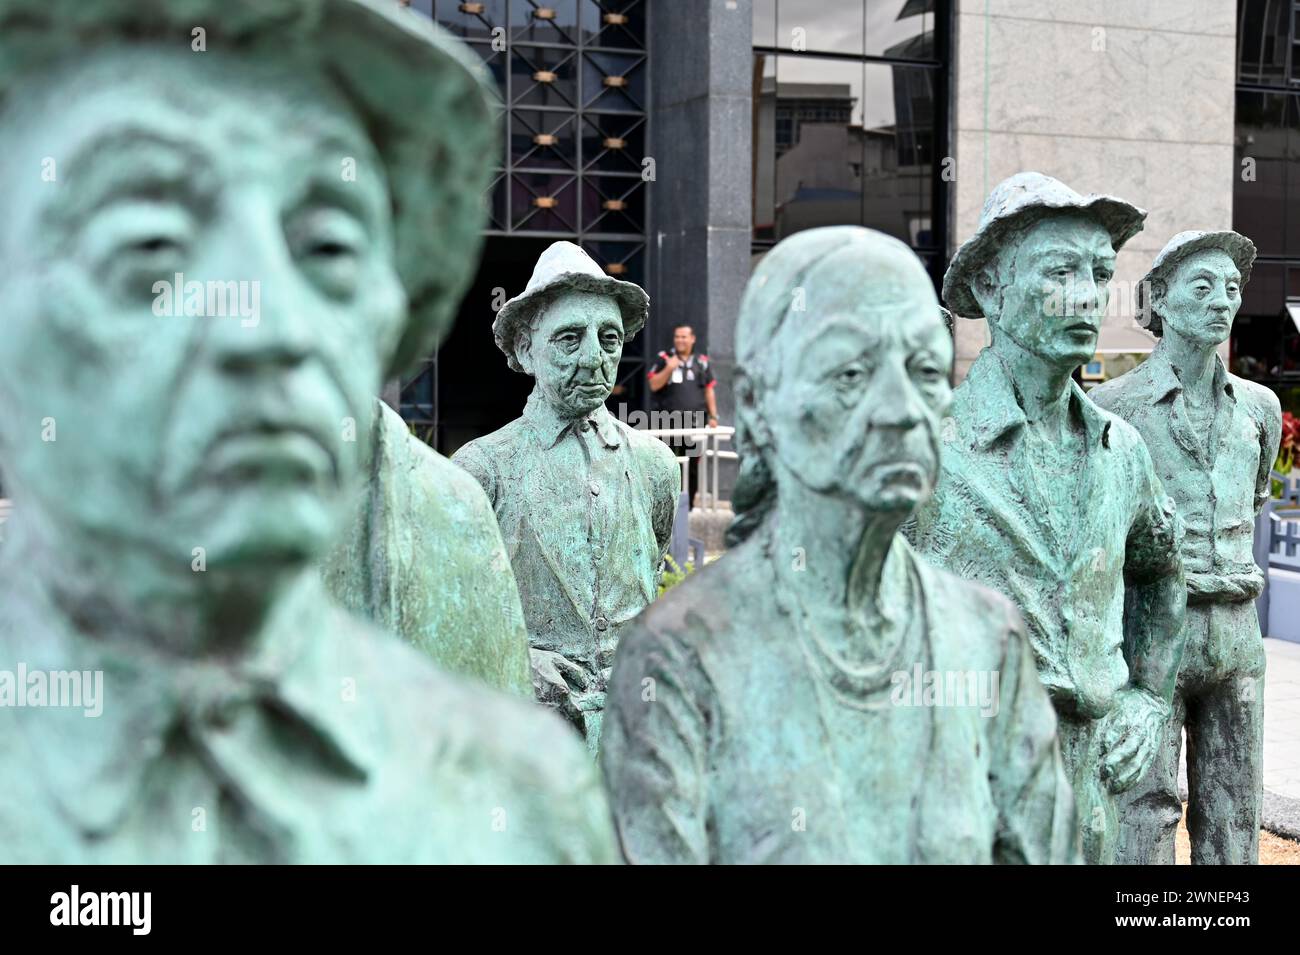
point(1165, 381)
point(995, 408)
point(96, 767)
point(549, 426)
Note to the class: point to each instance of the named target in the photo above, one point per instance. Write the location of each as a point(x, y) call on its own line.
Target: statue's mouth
point(280, 454)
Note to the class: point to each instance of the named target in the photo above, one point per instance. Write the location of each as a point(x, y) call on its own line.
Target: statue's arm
point(1155, 588)
point(478, 464)
point(1036, 814)
point(666, 486)
point(1269, 417)
point(653, 750)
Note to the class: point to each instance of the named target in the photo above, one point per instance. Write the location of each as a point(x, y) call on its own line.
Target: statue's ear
point(987, 290)
point(1154, 295)
point(524, 349)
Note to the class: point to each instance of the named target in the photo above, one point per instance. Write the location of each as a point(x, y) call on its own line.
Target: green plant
point(674, 574)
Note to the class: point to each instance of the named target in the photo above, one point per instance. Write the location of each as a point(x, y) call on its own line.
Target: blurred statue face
point(1054, 289)
point(863, 388)
point(200, 305)
point(573, 351)
point(1202, 298)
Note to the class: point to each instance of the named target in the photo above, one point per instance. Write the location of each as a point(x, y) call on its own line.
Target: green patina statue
point(1052, 501)
point(178, 471)
point(585, 503)
point(423, 558)
point(1213, 438)
point(820, 694)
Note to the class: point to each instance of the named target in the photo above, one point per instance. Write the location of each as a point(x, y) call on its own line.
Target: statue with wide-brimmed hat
point(1051, 501)
point(1213, 437)
point(227, 223)
point(585, 503)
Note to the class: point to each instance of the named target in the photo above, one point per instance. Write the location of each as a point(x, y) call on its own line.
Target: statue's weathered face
point(1202, 298)
point(863, 387)
point(185, 185)
point(573, 351)
point(1054, 289)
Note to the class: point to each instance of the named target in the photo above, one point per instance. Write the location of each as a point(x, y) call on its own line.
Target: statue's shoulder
point(1119, 394)
point(648, 449)
point(484, 750)
point(704, 612)
point(487, 457)
point(433, 714)
point(1262, 400)
point(655, 459)
point(989, 618)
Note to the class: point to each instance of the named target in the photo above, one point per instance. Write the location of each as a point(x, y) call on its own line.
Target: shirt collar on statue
point(995, 406)
point(1164, 379)
point(549, 426)
point(95, 767)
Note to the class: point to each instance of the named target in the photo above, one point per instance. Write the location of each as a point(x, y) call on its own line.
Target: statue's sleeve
point(1268, 415)
point(1155, 595)
point(1036, 816)
point(653, 750)
point(1156, 534)
point(472, 459)
point(666, 487)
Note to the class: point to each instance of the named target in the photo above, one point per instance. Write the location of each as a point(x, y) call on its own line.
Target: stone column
point(701, 73)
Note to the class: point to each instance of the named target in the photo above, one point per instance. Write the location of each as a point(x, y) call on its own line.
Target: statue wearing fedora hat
point(1052, 501)
point(1213, 437)
point(176, 685)
point(585, 503)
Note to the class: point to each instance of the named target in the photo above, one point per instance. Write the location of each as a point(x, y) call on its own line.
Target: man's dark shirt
point(685, 388)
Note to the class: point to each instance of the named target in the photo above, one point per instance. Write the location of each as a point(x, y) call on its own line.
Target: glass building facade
point(851, 101)
point(1266, 194)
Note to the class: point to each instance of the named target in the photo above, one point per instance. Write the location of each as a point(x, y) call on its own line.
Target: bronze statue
point(1213, 438)
point(232, 248)
point(1053, 502)
point(819, 693)
point(585, 503)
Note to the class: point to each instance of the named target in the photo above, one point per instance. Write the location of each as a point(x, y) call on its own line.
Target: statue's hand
point(1131, 736)
point(555, 677)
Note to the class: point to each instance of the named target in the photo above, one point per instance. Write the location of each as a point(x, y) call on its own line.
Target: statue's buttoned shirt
point(1219, 477)
point(585, 507)
point(1059, 547)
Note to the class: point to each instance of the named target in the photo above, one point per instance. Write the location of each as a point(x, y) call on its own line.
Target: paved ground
point(1282, 719)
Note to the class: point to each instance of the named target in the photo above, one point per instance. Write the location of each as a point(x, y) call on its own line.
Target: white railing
point(707, 445)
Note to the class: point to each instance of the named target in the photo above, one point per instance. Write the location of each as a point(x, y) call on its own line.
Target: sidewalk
point(1282, 719)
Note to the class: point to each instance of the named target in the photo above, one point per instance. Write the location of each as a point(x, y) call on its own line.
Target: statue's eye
point(930, 374)
point(850, 377)
point(155, 245)
point(330, 249)
point(328, 244)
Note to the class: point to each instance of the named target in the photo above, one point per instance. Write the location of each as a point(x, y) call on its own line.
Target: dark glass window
point(850, 107)
point(1266, 194)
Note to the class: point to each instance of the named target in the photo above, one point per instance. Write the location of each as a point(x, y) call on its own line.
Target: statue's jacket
point(1060, 548)
point(328, 742)
point(423, 558)
point(586, 510)
point(728, 738)
point(1219, 480)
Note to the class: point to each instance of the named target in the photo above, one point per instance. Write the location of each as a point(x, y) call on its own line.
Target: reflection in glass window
point(842, 139)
